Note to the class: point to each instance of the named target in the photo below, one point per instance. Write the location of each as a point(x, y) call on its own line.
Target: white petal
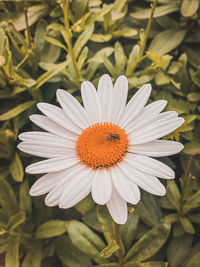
point(91, 102)
point(118, 99)
point(135, 105)
point(117, 208)
point(73, 109)
point(45, 151)
point(126, 188)
point(147, 182)
point(147, 112)
point(157, 148)
point(51, 126)
point(52, 199)
point(151, 166)
point(105, 88)
point(47, 139)
point(151, 118)
point(77, 189)
point(58, 115)
point(47, 182)
point(52, 165)
point(155, 130)
point(101, 186)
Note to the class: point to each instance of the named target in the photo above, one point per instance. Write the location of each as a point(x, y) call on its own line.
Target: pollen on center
point(102, 145)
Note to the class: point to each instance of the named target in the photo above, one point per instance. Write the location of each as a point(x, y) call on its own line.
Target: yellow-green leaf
point(51, 228)
point(16, 168)
point(17, 110)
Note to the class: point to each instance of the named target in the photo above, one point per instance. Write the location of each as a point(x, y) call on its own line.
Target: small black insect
point(111, 137)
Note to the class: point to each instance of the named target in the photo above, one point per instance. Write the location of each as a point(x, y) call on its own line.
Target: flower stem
point(69, 39)
point(144, 40)
point(117, 239)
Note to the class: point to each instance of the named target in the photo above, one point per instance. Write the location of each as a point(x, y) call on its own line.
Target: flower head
point(105, 147)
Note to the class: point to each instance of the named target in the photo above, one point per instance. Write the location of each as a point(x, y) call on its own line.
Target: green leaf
point(82, 58)
point(144, 13)
point(111, 248)
point(189, 7)
point(149, 243)
point(24, 198)
point(90, 219)
point(16, 220)
point(16, 168)
point(12, 252)
point(120, 58)
point(178, 249)
point(195, 249)
point(129, 229)
point(83, 39)
point(99, 56)
point(171, 218)
point(166, 41)
point(132, 58)
point(49, 74)
point(86, 240)
point(34, 14)
point(187, 225)
point(69, 254)
point(85, 205)
point(101, 38)
point(55, 42)
point(194, 261)
point(51, 228)
point(33, 257)
point(8, 199)
point(193, 97)
point(148, 210)
point(17, 110)
point(195, 218)
point(39, 38)
point(173, 194)
point(106, 222)
point(192, 202)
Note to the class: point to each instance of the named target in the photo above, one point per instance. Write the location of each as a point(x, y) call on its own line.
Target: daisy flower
point(104, 148)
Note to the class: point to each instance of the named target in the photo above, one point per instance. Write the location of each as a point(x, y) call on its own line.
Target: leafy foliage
point(61, 44)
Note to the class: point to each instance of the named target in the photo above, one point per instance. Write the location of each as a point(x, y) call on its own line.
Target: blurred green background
point(49, 44)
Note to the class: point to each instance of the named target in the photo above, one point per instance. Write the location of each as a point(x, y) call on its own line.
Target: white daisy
point(104, 147)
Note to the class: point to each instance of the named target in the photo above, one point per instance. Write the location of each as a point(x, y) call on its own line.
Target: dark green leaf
point(86, 240)
point(149, 243)
point(69, 254)
point(178, 249)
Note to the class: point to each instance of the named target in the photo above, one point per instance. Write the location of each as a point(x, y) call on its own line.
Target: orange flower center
point(102, 145)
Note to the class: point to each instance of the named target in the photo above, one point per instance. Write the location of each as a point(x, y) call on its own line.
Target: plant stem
point(27, 27)
point(144, 41)
point(69, 39)
point(117, 239)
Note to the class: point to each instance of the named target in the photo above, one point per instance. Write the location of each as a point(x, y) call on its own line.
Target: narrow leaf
point(16, 168)
point(16, 111)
